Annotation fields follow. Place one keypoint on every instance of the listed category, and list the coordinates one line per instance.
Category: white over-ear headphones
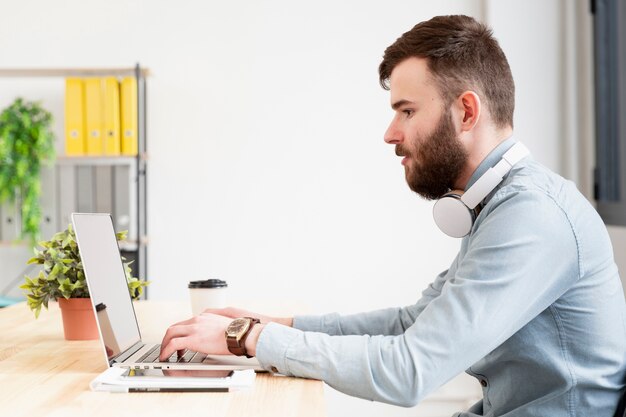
(455, 212)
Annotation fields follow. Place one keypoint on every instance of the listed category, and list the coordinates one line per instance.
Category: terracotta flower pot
(79, 321)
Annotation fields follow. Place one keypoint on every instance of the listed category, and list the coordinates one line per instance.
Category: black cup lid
(209, 283)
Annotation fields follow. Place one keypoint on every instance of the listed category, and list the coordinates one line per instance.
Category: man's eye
(408, 112)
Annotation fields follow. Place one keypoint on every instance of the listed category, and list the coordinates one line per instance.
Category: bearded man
(532, 306)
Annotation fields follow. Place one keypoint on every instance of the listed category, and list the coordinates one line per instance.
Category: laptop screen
(106, 279)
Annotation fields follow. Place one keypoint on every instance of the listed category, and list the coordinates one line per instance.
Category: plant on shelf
(26, 142)
(63, 276)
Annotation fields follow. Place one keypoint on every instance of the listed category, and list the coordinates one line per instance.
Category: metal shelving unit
(136, 248)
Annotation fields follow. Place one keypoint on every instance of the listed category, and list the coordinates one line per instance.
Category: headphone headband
(494, 175)
(454, 212)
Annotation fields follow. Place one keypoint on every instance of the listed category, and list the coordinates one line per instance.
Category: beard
(441, 160)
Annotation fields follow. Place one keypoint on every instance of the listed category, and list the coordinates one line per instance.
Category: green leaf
(29, 282)
(33, 299)
(66, 241)
(35, 260)
(54, 273)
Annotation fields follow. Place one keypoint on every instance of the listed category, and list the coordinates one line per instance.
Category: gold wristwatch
(236, 334)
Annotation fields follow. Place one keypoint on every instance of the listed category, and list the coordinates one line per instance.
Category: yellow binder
(129, 115)
(112, 145)
(94, 116)
(74, 117)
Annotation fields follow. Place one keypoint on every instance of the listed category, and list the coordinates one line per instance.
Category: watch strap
(238, 347)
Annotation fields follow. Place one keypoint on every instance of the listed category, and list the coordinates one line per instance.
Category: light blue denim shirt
(532, 307)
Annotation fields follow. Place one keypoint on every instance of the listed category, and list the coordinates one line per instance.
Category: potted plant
(26, 141)
(63, 278)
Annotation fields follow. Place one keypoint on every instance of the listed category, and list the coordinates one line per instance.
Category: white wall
(267, 165)
(529, 34)
(292, 192)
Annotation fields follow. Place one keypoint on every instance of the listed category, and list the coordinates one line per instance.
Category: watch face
(238, 327)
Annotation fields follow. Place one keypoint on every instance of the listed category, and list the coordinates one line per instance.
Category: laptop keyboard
(188, 356)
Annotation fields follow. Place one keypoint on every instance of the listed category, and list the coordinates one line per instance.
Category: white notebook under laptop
(115, 314)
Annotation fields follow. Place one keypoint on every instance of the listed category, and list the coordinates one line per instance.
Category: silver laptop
(115, 314)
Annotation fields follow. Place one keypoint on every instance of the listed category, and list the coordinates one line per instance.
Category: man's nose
(393, 136)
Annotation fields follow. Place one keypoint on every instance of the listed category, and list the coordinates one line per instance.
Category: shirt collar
(490, 160)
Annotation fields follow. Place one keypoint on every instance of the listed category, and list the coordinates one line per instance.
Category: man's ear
(468, 108)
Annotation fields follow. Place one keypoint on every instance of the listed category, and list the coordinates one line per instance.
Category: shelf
(96, 160)
(129, 246)
(71, 72)
(76, 180)
(11, 243)
(126, 245)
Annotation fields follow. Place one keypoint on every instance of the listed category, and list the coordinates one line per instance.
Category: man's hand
(203, 333)
(234, 313)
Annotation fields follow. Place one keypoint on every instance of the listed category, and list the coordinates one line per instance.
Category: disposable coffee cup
(210, 293)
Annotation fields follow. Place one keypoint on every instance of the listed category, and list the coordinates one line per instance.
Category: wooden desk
(42, 374)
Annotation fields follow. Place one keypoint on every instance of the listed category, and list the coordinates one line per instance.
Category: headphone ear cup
(452, 216)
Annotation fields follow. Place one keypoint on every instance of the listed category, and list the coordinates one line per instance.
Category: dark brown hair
(462, 54)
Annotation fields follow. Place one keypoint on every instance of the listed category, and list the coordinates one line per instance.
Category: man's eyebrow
(400, 103)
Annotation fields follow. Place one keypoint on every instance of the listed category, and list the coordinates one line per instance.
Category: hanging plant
(26, 142)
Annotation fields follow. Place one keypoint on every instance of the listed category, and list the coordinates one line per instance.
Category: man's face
(423, 131)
